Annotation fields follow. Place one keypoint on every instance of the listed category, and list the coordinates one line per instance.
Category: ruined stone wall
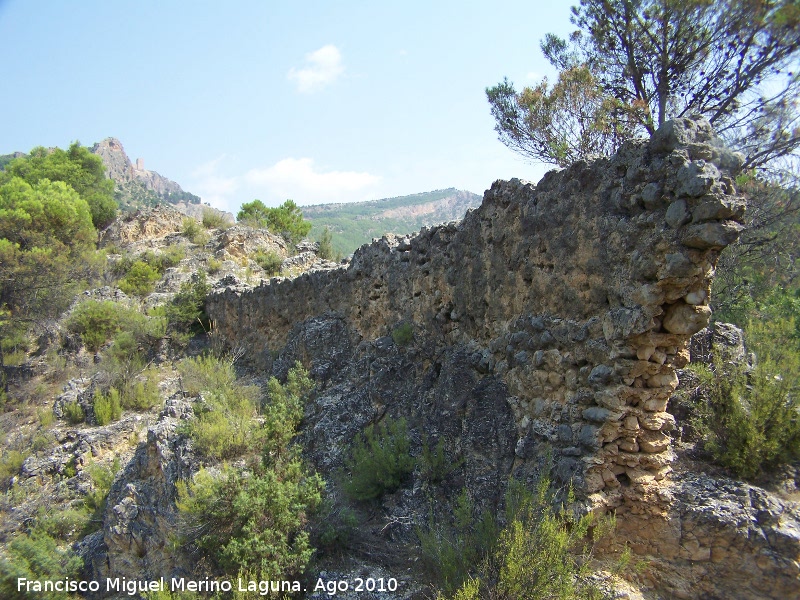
(548, 323)
(580, 293)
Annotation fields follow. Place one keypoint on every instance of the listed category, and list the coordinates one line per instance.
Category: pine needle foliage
(379, 462)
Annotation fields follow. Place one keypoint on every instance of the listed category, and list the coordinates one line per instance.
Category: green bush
(10, 463)
(403, 334)
(214, 265)
(141, 395)
(68, 524)
(326, 245)
(379, 460)
(102, 477)
(539, 553)
(36, 556)
(186, 312)
(286, 220)
(752, 420)
(97, 322)
(434, 463)
(336, 527)
(193, 232)
(269, 261)
(140, 280)
(73, 412)
(214, 220)
(255, 522)
(206, 373)
(169, 257)
(450, 551)
(107, 407)
(224, 425)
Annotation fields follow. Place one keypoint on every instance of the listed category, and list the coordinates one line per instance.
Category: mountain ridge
(356, 223)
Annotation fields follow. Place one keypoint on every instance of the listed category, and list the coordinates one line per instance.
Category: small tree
(379, 461)
(326, 244)
(286, 220)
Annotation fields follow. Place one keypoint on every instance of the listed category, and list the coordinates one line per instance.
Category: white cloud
(213, 187)
(299, 179)
(322, 67)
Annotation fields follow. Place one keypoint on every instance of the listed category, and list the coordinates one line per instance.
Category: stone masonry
(574, 298)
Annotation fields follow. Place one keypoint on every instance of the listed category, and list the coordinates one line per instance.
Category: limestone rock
(686, 319)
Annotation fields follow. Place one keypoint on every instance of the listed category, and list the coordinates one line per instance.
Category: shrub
(213, 219)
(326, 245)
(141, 395)
(206, 373)
(286, 220)
(73, 412)
(10, 464)
(161, 261)
(269, 261)
(752, 420)
(186, 312)
(192, 231)
(451, 551)
(68, 524)
(403, 334)
(379, 461)
(102, 477)
(36, 556)
(224, 424)
(336, 527)
(214, 265)
(540, 552)
(97, 322)
(140, 280)
(107, 407)
(255, 521)
(434, 463)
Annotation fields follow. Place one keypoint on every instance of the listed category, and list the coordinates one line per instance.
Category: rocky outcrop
(197, 211)
(143, 225)
(140, 517)
(120, 168)
(547, 329)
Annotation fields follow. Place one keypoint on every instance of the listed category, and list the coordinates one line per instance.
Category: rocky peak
(118, 165)
(124, 172)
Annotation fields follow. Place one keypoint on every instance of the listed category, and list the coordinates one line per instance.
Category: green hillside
(356, 223)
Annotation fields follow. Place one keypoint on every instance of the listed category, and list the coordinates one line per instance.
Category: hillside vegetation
(356, 223)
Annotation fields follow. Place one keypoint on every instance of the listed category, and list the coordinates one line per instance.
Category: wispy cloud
(322, 67)
(213, 187)
(299, 179)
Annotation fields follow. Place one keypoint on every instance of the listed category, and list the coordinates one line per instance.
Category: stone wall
(580, 292)
(549, 322)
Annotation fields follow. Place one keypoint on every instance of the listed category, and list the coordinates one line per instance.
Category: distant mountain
(356, 223)
(137, 187)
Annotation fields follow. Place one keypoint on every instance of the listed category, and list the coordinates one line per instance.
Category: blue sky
(314, 101)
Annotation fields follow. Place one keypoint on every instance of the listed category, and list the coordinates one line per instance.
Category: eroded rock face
(140, 515)
(143, 225)
(547, 325)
